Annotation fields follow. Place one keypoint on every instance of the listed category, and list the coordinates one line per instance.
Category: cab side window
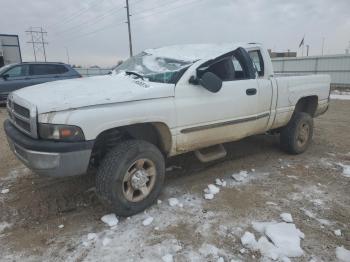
(223, 69)
(229, 69)
(257, 61)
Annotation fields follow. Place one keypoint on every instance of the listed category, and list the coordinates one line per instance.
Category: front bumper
(49, 158)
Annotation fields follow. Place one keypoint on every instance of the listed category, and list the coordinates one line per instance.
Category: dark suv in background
(16, 76)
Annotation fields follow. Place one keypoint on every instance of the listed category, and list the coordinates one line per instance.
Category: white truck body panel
(93, 91)
(195, 117)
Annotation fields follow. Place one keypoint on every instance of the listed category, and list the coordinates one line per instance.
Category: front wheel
(297, 135)
(130, 177)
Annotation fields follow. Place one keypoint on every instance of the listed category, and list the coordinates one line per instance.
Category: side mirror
(211, 82)
(5, 76)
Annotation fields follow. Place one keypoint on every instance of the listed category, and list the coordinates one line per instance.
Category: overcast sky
(95, 33)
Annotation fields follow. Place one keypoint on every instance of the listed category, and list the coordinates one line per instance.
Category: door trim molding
(225, 123)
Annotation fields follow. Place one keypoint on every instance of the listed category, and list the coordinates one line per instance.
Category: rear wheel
(130, 177)
(297, 135)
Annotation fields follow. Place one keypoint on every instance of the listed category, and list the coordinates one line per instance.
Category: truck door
(206, 118)
(267, 92)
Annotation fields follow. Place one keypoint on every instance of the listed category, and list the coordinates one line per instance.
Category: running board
(211, 153)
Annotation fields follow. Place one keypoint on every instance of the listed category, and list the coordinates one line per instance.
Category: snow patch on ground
(342, 254)
(168, 258)
(5, 191)
(110, 219)
(92, 236)
(278, 240)
(174, 202)
(220, 182)
(261, 226)
(337, 232)
(4, 225)
(147, 221)
(313, 216)
(241, 176)
(132, 241)
(211, 191)
(346, 169)
(286, 238)
(286, 217)
(249, 241)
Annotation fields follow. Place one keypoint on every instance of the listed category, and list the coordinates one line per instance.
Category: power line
(77, 14)
(84, 25)
(37, 41)
(90, 22)
(138, 18)
(165, 11)
(154, 8)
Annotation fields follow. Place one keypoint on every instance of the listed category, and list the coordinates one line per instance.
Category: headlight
(61, 132)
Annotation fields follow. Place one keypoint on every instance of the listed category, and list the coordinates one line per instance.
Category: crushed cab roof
(194, 52)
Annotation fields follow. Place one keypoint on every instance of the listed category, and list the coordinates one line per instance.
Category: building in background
(282, 54)
(10, 51)
(336, 66)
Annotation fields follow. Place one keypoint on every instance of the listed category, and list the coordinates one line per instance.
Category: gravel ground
(49, 219)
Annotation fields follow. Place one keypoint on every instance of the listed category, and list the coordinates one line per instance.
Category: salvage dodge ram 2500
(160, 103)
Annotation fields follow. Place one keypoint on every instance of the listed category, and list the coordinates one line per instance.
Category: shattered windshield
(154, 69)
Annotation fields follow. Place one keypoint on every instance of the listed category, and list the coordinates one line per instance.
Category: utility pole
(307, 50)
(32, 38)
(67, 53)
(42, 41)
(37, 41)
(129, 26)
(322, 44)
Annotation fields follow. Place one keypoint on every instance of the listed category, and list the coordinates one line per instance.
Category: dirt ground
(312, 187)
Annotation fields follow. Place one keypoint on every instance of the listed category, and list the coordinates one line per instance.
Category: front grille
(23, 124)
(20, 116)
(21, 110)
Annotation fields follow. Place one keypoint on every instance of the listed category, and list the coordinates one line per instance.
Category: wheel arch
(307, 104)
(156, 133)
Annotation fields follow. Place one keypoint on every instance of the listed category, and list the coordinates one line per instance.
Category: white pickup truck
(160, 103)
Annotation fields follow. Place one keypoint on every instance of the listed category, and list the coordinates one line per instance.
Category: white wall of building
(337, 66)
(10, 49)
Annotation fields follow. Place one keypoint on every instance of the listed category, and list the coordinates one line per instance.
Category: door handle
(251, 91)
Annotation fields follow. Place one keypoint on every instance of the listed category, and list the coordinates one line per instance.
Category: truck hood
(91, 91)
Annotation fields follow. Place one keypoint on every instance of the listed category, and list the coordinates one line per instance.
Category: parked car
(16, 76)
(160, 103)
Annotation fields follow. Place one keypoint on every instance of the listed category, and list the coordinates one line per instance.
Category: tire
(120, 178)
(297, 135)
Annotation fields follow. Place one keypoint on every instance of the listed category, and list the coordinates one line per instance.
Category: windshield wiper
(134, 73)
